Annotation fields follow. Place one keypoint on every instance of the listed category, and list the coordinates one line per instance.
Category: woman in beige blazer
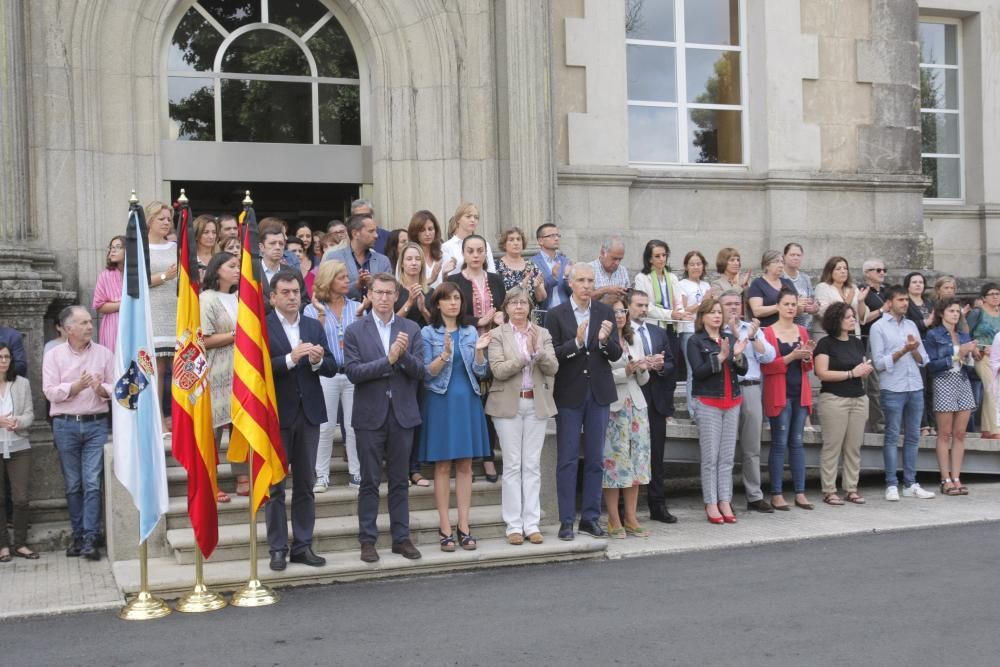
(524, 365)
(16, 415)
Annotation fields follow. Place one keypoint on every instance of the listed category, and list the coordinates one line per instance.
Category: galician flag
(140, 463)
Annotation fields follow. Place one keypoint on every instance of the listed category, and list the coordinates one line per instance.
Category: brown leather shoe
(536, 538)
(368, 553)
(515, 538)
(406, 550)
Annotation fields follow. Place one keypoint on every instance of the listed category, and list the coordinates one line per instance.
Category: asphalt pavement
(914, 597)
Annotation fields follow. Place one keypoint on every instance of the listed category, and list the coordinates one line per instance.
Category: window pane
(940, 132)
(652, 134)
(713, 77)
(267, 111)
(938, 88)
(712, 22)
(715, 136)
(194, 44)
(945, 175)
(191, 108)
(652, 73)
(650, 19)
(296, 15)
(265, 52)
(939, 43)
(339, 115)
(333, 51)
(233, 13)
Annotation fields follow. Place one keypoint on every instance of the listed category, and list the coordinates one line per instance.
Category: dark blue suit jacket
(298, 388)
(580, 367)
(374, 378)
(660, 388)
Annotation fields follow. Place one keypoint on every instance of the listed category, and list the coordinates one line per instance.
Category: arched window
(266, 71)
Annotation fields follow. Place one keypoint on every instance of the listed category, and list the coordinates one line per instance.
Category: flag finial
(133, 199)
(183, 198)
(247, 201)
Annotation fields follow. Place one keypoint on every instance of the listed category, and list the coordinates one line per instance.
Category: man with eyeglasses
(874, 270)
(384, 359)
(553, 265)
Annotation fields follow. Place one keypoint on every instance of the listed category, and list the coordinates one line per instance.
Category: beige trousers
(988, 415)
(843, 432)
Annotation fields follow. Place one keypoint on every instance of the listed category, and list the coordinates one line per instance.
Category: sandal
(950, 488)
(416, 479)
(833, 499)
(638, 531)
(447, 541)
(925, 431)
(5, 557)
(223, 497)
(27, 553)
(467, 541)
(616, 533)
(963, 490)
(242, 486)
(856, 498)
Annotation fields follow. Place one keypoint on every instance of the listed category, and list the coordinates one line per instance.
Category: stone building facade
(703, 122)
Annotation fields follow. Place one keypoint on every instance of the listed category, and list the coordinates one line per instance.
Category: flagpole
(200, 599)
(145, 606)
(254, 593)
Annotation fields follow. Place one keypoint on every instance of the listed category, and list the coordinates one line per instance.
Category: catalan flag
(256, 431)
(138, 435)
(193, 438)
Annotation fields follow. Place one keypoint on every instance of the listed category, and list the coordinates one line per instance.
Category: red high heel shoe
(729, 518)
(717, 520)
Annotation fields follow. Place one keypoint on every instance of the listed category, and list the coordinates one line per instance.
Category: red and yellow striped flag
(254, 406)
(191, 414)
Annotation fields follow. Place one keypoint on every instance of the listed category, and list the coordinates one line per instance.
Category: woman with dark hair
(951, 354)
(206, 238)
(984, 324)
(835, 286)
(694, 289)
(626, 441)
(788, 398)
(762, 295)
(717, 361)
(16, 416)
(398, 238)
(921, 313)
(454, 430)
(304, 233)
(425, 231)
(728, 264)
(218, 301)
(108, 292)
(841, 366)
(515, 271)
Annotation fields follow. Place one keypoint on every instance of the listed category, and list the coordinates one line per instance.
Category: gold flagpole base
(254, 594)
(199, 600)
(144, 607)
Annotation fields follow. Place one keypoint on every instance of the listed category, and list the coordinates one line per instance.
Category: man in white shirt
(611, 280)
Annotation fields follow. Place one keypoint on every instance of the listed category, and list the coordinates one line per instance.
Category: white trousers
(521, 439)
(337, 391)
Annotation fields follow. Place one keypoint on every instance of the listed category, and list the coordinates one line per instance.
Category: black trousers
(390, 443)
(301, 440)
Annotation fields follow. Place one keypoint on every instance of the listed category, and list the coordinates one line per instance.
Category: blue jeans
(786, 433)
(81, 456)
(902, 410)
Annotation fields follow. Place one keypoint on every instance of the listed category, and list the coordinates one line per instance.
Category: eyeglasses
(4, 357)
(552, 236)
(383, 294)
(619, 311)
(877, 270)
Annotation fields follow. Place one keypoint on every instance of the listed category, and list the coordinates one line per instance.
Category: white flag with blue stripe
(140, 462)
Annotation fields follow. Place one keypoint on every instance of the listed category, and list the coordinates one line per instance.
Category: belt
(82, 418)
(528, 394)
(749, 383)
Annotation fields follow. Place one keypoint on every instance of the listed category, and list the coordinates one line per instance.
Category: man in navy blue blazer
(384, 359)
(584, 389)
(299, 355)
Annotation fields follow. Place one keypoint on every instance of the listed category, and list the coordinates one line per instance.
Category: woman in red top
(788, 399)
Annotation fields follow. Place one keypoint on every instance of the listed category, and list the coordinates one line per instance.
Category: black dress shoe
(278, 561)
(761, 506)
(89, 551)
(406, 550)
(308, 557)
(74, 548)
(368, 553)
(592, 528)
(661, 514)
(566, 531)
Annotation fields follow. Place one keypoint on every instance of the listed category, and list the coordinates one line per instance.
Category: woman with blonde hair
(413, 289)
(162, 288)
(206, 241)
(464, 223)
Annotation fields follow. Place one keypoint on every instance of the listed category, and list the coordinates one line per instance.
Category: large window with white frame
(686, 62)
(941, 108)
(270, 71)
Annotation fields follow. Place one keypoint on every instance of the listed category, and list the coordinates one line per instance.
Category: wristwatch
(163, 277)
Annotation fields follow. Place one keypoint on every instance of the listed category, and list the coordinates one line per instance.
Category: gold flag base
(199, 600)
(144, 607)
(254, 594)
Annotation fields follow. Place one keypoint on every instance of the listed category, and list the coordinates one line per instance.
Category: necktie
(646, 348)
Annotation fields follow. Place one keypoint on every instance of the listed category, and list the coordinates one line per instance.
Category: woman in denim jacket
(454, 424)
(951, 353)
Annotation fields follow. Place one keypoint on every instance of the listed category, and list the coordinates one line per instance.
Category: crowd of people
(428, 350)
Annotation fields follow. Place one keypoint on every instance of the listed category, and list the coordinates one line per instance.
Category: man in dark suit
(384, 358)
(581, 333)
(299, 355)
(658, 393)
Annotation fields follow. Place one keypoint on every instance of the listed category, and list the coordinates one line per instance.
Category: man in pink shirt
(77, 378)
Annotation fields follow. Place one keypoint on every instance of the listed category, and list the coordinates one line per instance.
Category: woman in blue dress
(454, 424)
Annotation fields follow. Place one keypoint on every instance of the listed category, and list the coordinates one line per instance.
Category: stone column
(14, 223)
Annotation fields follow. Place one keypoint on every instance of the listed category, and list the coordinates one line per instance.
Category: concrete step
(339, 449)
(48, 535)
(338, 533)
(336, 501)
(171, 579)
(51, 510)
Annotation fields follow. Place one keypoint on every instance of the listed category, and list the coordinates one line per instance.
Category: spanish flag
(191, 413)
(254, 406)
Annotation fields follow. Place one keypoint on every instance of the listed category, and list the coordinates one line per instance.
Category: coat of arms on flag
(136, 378)
(190, 364)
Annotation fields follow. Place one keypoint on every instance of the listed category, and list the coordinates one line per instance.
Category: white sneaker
(892, 494)
(320, 486)
(914, 491)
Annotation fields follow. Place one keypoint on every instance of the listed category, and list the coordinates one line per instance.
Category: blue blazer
(379, 384)
(434, 345)
(551, 284)
(587, 366)
(298, 388)
(659, 390)
(940, 351)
